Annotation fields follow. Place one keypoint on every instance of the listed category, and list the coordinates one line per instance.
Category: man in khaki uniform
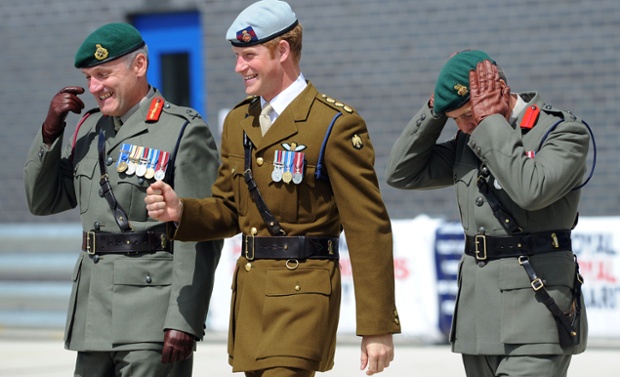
(139, 301)
(517, 164)
(290, 183)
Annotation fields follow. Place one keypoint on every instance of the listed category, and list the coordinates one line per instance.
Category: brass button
(396, 321)
(253, 231)
(260, 161)
(248, 266)
(297, 288)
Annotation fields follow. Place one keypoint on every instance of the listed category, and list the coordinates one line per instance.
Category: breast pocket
(130, 193)
(141, 298)
(525, 319)
(84, 181)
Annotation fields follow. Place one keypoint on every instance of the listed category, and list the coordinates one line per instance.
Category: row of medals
(143, 162)
(288, 166)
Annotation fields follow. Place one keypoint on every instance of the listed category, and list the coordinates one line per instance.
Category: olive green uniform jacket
(496, 312)
(120, 301)
(289, 317)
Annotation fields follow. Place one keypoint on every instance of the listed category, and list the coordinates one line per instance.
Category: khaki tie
(117, 123)
(264, 119)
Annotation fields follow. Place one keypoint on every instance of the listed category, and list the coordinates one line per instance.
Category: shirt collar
(285, 97)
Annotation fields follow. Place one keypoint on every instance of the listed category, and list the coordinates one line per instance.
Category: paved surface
(41, 354)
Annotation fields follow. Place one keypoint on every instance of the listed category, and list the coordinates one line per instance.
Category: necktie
(117, 123)
(264, 119)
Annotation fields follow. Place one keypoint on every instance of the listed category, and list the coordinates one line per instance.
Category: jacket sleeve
(532, 183)
(196, 166)
(366, 224)
(417, 161)
(48, 178)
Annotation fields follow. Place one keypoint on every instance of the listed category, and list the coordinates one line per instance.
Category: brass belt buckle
(91, 249)
(250, 240)
(481, 253)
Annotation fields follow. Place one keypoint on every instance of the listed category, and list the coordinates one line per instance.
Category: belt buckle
(483, 251)
(249, 239)
(90, 249)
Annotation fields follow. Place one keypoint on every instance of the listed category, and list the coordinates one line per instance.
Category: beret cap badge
(461, 90)
(101, 53)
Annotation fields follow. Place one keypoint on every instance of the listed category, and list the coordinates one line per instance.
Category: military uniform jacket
(123, 301)
(289, 317)
(496, 311)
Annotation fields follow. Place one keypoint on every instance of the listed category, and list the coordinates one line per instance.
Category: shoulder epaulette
(336, 104)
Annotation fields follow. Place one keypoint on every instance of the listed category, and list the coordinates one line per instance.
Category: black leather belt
(290, 247)
(484, 247)
(126, 243)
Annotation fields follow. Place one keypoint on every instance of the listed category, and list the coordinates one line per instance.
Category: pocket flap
(299, 281)
(150, 272)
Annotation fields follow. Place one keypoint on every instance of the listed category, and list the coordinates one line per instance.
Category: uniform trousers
(281, 372)
(143, 363)
(516, 366)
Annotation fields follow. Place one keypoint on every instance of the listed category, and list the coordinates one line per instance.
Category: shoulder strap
(121, 218)
(272, 223)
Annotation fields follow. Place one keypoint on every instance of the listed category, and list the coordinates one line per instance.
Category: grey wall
(381, 57)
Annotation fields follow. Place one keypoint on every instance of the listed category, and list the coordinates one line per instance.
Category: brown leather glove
(178, 346)
(487, 95)
(64, 101)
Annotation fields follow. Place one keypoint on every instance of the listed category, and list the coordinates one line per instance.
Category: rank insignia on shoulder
(155, 109)
(356, 140)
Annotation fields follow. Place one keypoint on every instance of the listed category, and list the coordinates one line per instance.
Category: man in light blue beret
(139, 301)
(297, 168)
(518, 165)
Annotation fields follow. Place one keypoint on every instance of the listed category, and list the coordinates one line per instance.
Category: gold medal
(121, 167)
(287, 177)
(150, 173)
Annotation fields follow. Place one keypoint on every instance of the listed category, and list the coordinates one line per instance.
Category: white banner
(426, 254)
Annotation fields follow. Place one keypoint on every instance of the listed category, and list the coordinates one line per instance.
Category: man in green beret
(517, 164)
(297, 169)
(139, 300)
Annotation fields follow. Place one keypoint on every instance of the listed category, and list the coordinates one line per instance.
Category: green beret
(109, 42)
(452, 87)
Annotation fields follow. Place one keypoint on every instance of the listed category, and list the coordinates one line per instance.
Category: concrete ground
(29, 353)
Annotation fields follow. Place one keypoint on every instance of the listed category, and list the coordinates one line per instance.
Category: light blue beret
(261, 22)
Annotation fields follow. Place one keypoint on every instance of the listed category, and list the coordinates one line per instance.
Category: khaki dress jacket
(289, 317)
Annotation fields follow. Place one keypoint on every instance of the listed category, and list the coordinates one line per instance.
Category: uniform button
(423, 116)
(248, 266)
(297, 288)
(473, 144)
(481, 230)
(396, 321)
(148, 279)
(418, 122)
(140, 180)
(260, 161)
(253, 231)
(479, 201)
(95, 259)
(482, 264)
(109, 160)
(485, 171)
(547, 107)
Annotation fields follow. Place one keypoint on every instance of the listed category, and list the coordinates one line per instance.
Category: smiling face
(118, 85)
(262, 69)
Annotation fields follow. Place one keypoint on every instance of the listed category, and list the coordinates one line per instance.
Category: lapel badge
(101, 53)
(293, 147)
(356, 140)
